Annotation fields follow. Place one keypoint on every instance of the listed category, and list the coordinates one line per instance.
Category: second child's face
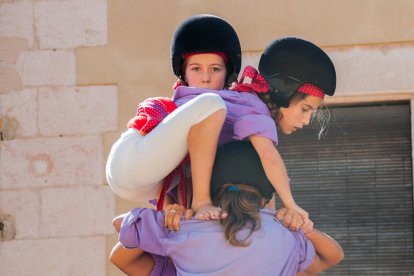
(298, 114)
(205, 71)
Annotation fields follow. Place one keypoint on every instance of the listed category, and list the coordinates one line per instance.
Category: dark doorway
(357, 185)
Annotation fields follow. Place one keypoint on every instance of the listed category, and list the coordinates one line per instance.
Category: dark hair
(320, 118)
(242, 204)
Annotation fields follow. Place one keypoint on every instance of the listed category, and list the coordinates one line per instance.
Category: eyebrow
(198, 64)
(311, 107)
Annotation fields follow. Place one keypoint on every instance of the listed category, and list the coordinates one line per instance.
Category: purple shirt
(199, 247)
(247, 114)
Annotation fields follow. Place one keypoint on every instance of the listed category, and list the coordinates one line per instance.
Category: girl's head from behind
(242, 203)
(206, 34)
(240, 186)
(299, 75)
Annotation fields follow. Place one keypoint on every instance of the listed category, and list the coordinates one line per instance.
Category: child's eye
(195, 68)
(216, 69)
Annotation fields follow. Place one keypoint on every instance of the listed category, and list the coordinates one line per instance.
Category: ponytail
(242, 204)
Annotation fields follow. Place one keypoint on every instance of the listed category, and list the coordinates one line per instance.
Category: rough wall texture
(72, 72)
(52, 188)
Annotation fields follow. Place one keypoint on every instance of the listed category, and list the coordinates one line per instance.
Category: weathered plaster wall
(52, 185)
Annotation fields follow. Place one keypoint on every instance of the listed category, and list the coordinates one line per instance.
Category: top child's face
(298, 114)
(205, 71)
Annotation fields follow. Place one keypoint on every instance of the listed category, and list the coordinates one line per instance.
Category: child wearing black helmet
(206, 56)
(249, 241)
(205, 53)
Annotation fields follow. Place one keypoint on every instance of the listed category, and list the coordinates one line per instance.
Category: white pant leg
(137, 164)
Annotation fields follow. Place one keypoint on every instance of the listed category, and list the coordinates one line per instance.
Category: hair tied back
(233, 188)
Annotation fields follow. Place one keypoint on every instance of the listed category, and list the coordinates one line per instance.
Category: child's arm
(329, 253)
(130, 261)
(275, 170)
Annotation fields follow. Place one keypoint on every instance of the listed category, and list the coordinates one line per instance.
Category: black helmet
(237, 162)
(289, 62)
(206, 33)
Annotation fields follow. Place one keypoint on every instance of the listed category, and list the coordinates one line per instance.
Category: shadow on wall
(7, 227)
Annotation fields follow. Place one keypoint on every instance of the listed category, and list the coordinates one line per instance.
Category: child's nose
(306, 119)
(206, 77)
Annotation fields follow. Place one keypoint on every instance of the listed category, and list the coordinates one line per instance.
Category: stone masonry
(55, 207)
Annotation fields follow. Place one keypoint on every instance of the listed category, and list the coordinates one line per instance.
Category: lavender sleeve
(306, 251)
(255, 124)
(143, 228)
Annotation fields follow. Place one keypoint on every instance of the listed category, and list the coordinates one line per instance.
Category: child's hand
(173, 214)
(307, 228)
(307, 223)
(290, 218)
(303, 213)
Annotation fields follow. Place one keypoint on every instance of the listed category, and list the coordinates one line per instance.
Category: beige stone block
(16, 20)
(250, 58)
(60, 256)
(10, 49)
(44, 68)
(77, 211)
(9, 80)
(70, 24)
(51, 162)
(24, 207)
(22, 107)
(81, 110)
(374, 69)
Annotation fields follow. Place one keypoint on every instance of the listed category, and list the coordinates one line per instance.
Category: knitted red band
(311, 89)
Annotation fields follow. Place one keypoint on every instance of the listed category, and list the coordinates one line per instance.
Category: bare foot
(209, 212)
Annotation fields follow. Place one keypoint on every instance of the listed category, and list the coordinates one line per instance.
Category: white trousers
(137, 164)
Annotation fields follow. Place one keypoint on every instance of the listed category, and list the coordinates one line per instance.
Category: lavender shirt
(247, 114)
(199, 247)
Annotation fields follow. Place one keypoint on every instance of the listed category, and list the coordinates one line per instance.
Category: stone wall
(55, 207)
(73, 71)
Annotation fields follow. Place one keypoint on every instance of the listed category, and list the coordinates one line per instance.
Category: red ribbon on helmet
(310, 89)
(258, 84)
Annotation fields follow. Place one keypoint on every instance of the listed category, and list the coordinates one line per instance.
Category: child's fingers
(281, 213)
(176, 220)
(298, 223)
(295, 223)
(188, 214)
(287, 219)
(172, 216)
(304, 214)
(308, 227)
